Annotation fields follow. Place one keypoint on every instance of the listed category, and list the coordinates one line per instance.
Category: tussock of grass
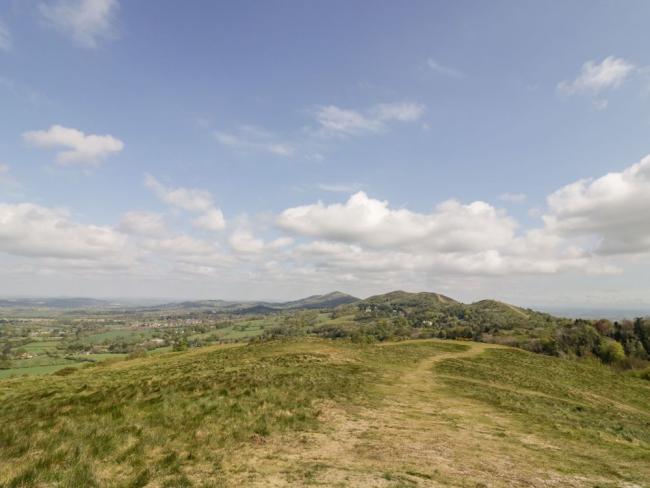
(173, 413)
(578, 402)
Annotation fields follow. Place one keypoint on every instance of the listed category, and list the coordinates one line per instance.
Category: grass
(41, 347)
(239, 331)
(101, 337)
(38, 370)
(328, 413)
(604, 415)
(200, 403)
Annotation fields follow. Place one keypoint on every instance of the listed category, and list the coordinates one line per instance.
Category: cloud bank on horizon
(240, 198)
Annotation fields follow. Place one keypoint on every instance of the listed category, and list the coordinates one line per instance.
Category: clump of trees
(623, 343)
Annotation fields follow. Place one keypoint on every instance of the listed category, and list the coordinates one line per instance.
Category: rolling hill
(313, 412)
(329, 300)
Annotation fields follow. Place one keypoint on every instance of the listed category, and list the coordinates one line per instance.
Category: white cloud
(6, 41)
(335, 120)
(143, 224)
(28, 229)
(372, 223)
(182, 245)
(86, 22)
(366, 236)
(188, 252)
(338, 120)
(594, 78)
(192, 200)
(513, 197)
(243, 241)
(442, 69)
(613, 209)
(360, 240)
(84, 149)
(250, 138)
(211, 220)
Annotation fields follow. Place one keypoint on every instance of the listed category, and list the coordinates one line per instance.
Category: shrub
(611, 351)
(65, 371)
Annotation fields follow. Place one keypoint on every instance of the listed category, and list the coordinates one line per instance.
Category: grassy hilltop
(313, 412)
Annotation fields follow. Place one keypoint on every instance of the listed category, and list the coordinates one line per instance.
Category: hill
(329, 300)
(402, 315)
(408, 300)
(421, 315)
(328, 413)
(55, 303)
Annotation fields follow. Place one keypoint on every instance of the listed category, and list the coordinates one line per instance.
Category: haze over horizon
(476, 150)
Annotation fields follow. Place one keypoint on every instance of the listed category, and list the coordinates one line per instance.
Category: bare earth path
(417, 436)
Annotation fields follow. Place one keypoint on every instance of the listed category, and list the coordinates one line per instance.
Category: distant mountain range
(329, 300)
(421, 300)
(57, 303)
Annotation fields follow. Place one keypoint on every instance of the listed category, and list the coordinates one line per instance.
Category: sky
(277, 149)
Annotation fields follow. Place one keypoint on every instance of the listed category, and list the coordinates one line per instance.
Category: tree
(579, 339)
(611, 351)
(642, 331)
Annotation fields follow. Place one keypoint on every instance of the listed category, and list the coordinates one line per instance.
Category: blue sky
(276, 149)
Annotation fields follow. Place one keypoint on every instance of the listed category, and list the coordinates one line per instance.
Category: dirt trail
(418, 436)
(422, 373)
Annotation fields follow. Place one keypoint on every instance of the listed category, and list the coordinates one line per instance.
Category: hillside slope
(325, 413)
(328, 300)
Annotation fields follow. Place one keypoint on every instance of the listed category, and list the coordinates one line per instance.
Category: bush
(66, 371)
(137, 353)
(611, 351)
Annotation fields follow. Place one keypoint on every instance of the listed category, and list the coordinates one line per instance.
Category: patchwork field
(314, 412)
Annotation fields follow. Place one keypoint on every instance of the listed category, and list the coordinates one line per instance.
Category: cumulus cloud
(595, 77)
(27, 229)
(6, 41)
(90, 150)
(366, 236)
(143, 224)
(212, 220)
(357, 239)
(613, 209)
(86, 22)
(372, 223)
(192, 200)
(250, 138)
(243, 241)
(336, 120)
